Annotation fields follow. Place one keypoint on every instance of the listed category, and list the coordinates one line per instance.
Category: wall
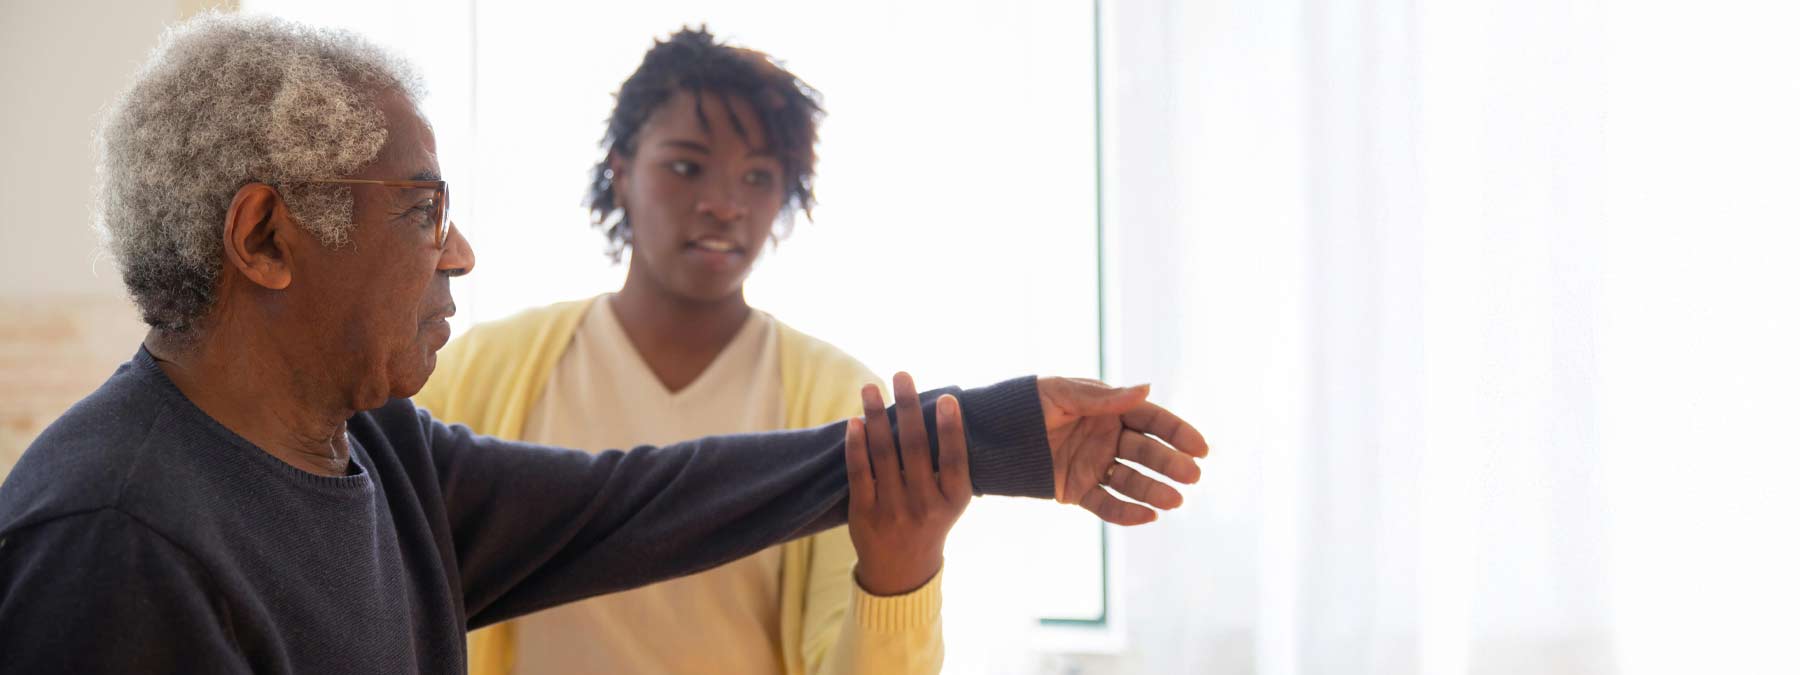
(68, 323)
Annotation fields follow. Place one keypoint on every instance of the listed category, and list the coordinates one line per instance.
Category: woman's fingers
(899, 533)
(953, 454)
(856, 465)
(888, 489)
(915, 446)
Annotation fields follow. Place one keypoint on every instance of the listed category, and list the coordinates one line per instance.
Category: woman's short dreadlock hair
(695, 61)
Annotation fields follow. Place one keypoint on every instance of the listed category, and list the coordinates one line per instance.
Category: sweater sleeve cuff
(916, 610)
(1009, 453)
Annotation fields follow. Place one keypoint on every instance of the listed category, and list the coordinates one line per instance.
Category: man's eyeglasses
(440, 198)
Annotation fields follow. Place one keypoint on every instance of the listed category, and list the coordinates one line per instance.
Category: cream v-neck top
(602, 395)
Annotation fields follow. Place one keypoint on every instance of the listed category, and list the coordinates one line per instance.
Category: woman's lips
(713, 253)
(716, 245)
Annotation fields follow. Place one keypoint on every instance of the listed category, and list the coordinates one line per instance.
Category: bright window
(954, 238)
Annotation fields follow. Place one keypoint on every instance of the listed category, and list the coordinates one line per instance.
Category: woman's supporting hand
(901, 510)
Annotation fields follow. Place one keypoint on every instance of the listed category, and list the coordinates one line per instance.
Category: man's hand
(1092, 425)
(899, 516)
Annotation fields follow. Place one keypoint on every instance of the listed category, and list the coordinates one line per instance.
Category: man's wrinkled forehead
(410, 152)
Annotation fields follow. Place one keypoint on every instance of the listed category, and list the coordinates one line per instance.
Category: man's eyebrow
(428, 174)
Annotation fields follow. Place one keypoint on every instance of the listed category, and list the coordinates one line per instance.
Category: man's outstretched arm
(536, 527)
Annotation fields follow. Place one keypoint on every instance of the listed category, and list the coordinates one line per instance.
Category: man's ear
(252, 244)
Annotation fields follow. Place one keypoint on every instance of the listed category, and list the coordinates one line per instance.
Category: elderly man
(253, 492)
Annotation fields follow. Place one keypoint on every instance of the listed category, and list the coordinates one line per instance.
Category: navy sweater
(139, 535)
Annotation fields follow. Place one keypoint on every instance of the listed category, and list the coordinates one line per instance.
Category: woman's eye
(758, 178)
(682, 167)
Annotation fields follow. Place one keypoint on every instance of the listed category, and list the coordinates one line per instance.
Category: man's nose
(458, 257)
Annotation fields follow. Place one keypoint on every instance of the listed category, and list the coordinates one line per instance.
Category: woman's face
(701, 199)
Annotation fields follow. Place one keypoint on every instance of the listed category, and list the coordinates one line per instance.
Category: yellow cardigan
(490, 378)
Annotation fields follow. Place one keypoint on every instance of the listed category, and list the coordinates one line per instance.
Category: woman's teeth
(715, 245)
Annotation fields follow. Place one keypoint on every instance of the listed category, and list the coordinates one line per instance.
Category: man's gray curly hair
(226, 100)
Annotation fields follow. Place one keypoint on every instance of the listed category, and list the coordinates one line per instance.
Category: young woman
(709, 146)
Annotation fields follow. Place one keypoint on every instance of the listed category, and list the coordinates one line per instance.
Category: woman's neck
(677, 337)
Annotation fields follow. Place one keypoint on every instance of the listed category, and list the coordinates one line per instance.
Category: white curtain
(1488, 307)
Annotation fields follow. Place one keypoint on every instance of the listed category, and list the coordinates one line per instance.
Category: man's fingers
(915, 446)
(953, 453)
(1114, 510)
(1131, 483)
(856, 466)
(1160, 458)
(1152, 419)
(888, 489)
